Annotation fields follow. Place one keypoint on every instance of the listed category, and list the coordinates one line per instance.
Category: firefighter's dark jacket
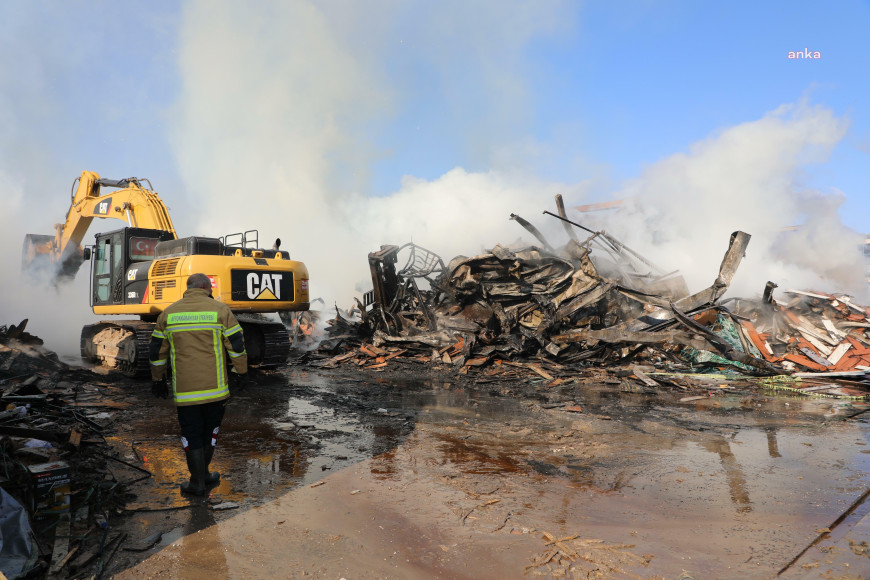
(193, 333)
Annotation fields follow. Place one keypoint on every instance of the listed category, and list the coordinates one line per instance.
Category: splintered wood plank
(644, 378)
(541, 371)
(60, 553)
(838, 353)
(475, 362)
(810, 294)
(761, 344)
(832, 329)
(371, 350)
(344, 356)
(804, 362)
(560, 543)
(855, 373)
(817, 344)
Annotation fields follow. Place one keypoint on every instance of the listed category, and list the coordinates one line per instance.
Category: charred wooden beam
(532, 230)
(56, 436)
(730, 263)
(767, 298)
(560, 207)
(617, 336)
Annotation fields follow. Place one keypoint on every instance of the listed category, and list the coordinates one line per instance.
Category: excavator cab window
(102, 270)
(114, 254)
(109, 269)
(142, 248)
(117, 267)
(101, 258)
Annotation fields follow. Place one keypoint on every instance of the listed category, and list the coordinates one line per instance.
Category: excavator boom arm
(137, 206)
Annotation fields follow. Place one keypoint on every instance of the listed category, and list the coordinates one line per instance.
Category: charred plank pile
(592, 303)
(56, 481)
(819, 338)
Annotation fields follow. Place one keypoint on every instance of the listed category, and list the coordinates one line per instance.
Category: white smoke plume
(682, 209)
(272, 125)
(55, 314)
(279, 121)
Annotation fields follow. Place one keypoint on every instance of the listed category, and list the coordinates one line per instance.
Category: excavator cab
(118, 257)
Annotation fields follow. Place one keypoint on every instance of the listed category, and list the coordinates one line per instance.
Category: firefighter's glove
(238, 381)
(160, 389)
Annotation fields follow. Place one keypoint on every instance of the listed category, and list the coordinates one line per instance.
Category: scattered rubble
(595, 303)
(592, 311)
(55, 457)
(584, 557)
(821, 340)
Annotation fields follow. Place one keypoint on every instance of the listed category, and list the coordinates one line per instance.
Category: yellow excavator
(142, 268)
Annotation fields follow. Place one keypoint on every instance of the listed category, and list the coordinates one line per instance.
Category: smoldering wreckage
(593, 306)
(527, 320)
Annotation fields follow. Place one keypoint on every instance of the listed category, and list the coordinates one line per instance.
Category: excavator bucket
(36, 253)
(38, 259)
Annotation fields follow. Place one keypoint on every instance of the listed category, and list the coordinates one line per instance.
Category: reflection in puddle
(274, 438)
(733, 473)
(628, 457)
(476, 459)
(749, 448)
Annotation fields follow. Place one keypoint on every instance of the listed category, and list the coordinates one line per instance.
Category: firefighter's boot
(211, 477)
(196, 466)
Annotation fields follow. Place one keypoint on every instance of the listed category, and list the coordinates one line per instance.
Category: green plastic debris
(726, 329)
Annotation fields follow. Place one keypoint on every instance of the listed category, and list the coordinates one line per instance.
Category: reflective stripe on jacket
(192, 335)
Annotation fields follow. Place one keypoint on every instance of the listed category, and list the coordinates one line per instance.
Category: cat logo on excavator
(262, 285)
(102, 208)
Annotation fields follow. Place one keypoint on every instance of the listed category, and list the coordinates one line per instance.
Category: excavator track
(123, 345)
(120, 345)
(267, 342)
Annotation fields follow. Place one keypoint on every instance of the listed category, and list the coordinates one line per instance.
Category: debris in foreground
(584, 557)
(53, 424)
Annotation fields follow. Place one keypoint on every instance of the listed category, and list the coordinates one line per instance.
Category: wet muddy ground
(393, 476)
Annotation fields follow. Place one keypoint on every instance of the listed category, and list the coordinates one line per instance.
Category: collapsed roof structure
(593, 302)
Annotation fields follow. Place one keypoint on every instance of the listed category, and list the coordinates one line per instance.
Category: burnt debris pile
(592, 303)
(56, 482)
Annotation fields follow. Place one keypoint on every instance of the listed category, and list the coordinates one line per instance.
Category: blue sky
(610, 88)
(630, 83)
(339, 122)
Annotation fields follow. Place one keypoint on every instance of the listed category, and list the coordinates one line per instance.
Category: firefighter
(193, 334)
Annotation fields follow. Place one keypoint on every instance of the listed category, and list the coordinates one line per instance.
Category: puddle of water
(725, 490)
(275, 437)
(757, 474)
